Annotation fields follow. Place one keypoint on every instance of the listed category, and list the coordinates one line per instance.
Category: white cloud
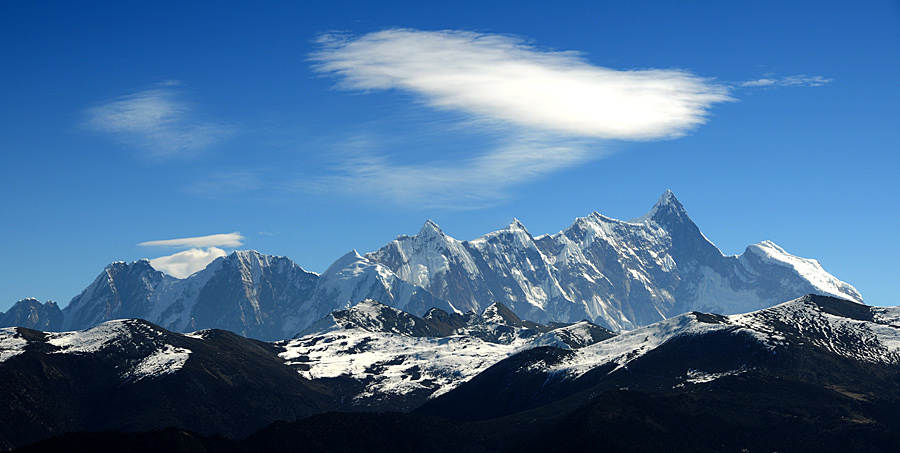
(202, 251)
(214, 240)
(789, 81)
(545, 110)
(501, 78)
(183, 264)
(764, 82)
(156, 121)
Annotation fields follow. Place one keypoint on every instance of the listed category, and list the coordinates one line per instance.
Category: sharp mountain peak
(430, 229)
(666, 212)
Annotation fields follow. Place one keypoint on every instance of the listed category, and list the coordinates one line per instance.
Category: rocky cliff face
(33, 314)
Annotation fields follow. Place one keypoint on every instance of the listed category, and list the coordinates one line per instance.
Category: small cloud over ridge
(202, 250)
(183, 264)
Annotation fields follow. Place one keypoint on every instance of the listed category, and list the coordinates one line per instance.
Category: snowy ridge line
(395, 353)
(163, 359)
(91, 340)
(621, 275)
(394, 364)
(806, 320)
(809, 269)
(631, 345)
(390, 353)
(872, 339)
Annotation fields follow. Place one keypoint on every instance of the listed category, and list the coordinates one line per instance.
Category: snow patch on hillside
(91, 340)
(11, 344)
(702, 377)
(628, 346)
(198, 335)
(166, 360)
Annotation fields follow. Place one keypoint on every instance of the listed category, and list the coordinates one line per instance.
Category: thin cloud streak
(214, 240)
(789, 81)
(546, 111)
(158, 122)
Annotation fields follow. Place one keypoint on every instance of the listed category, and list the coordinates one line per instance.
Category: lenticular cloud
(214, 240)
(202, 251)
(501, 78)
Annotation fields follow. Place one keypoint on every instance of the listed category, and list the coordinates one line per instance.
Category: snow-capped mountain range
(785, 376)
(364, 357)
(398, 360)
(617, 274)
(455, 366)
(258, 296)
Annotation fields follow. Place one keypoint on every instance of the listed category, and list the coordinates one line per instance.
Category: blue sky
(311, 130)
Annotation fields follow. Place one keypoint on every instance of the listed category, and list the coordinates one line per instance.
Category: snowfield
(392, 363)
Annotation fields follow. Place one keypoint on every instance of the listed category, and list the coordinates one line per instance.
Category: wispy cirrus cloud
(467, 183)
(157, 121)
(202, 250)
(789, 81)
(546, 110)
